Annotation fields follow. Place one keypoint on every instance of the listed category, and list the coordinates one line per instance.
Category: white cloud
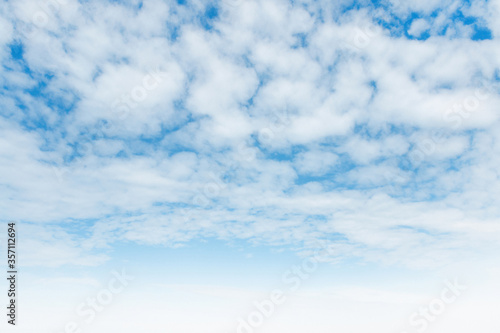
(315, 162)
(418, 27)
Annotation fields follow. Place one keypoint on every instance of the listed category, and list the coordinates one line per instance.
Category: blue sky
(209, 147)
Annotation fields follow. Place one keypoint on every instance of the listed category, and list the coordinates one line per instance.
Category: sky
(252, 165)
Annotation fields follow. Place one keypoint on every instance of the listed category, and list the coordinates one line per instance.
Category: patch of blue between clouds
(301, 41)
(16, 51)
(211, 15)
(206, 18)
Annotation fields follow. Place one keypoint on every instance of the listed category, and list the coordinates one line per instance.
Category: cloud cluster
(373, 127)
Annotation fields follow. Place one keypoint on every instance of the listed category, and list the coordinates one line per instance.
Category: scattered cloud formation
(372, 126)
